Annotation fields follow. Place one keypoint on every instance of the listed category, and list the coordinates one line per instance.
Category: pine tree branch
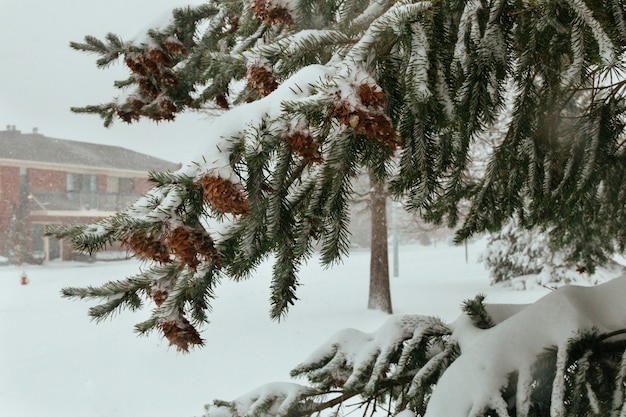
(612, 334)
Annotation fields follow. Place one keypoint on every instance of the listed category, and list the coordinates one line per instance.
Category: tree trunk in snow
(379, 294)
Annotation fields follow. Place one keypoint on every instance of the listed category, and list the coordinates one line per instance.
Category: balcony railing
(80, 201)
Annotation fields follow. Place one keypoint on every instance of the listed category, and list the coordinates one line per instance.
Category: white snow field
(54, 361)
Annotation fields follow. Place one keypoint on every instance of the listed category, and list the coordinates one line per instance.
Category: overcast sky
(41, 77)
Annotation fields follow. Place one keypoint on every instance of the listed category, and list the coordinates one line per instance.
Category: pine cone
(191, 246)
(343, 112)
(135, 63)
(182, 246)
(175, 47)
(167, 108)
(271, 13)
(261, 80)
(224, 195)
(371, 96)
(151, 65)
(159, 296)
(367, 117)
(145, 246)
(160, 56)
(148, 87)
(126, 115)
(378, 127)
(181, 334)
(205, 247)
(303, 145)
(136, 104)
(222, 101)
(168, 77)
(234, 23)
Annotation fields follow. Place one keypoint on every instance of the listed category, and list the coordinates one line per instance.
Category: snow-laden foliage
(521, 257)
(514, 251)
(313, 92)
(275, 399)
(559, 356)
(402, 359)
(316, 91)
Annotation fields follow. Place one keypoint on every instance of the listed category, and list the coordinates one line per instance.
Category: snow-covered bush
(522, 258)
(515, 251)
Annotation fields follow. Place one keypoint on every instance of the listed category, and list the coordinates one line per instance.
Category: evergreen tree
(515, 253)
(320, 89)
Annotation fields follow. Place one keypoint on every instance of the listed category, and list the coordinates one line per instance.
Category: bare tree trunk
(379, 295)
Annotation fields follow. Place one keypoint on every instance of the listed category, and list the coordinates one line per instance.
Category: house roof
(38, 150)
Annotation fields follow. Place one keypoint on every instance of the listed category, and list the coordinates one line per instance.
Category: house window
(82, 191)
(120, 185)
(81, 183)
(127, 185)
(113, 185)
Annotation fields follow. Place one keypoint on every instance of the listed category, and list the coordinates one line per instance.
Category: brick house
(54, 181)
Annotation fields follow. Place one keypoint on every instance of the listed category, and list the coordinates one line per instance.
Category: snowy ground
(55, 362)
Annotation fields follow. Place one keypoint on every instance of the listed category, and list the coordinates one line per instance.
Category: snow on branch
(474, 381)
(277, 399)
(394, 18)
(468, 24)
(604, 42)
(304, 40)
(235, 123)
(460, 370)
(356, 360)
(419, 64)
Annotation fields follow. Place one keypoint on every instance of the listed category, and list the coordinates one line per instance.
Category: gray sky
(41, 77)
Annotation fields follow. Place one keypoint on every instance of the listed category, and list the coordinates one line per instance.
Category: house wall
(102, 183)
(142, 185)
(40, 190)
(9, 196)
(55, 181)
(42, 180)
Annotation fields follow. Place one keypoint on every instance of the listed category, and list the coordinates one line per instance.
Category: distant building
(54, 181)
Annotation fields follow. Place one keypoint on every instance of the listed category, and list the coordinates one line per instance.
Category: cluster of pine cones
(152, 69)
(272, 13)
(367, 116)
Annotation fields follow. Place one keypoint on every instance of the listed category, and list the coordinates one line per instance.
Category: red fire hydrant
(24, 280)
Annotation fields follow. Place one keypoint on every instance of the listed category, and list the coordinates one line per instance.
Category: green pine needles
(316, 92)
(398, 367)
(312, 93)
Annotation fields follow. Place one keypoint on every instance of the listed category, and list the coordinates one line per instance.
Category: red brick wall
(142, 185)
(102, 183)
(43, 180)
(40, 180)
(9, 183)
(9, 195)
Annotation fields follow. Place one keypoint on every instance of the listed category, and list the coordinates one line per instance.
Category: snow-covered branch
(470, 368)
